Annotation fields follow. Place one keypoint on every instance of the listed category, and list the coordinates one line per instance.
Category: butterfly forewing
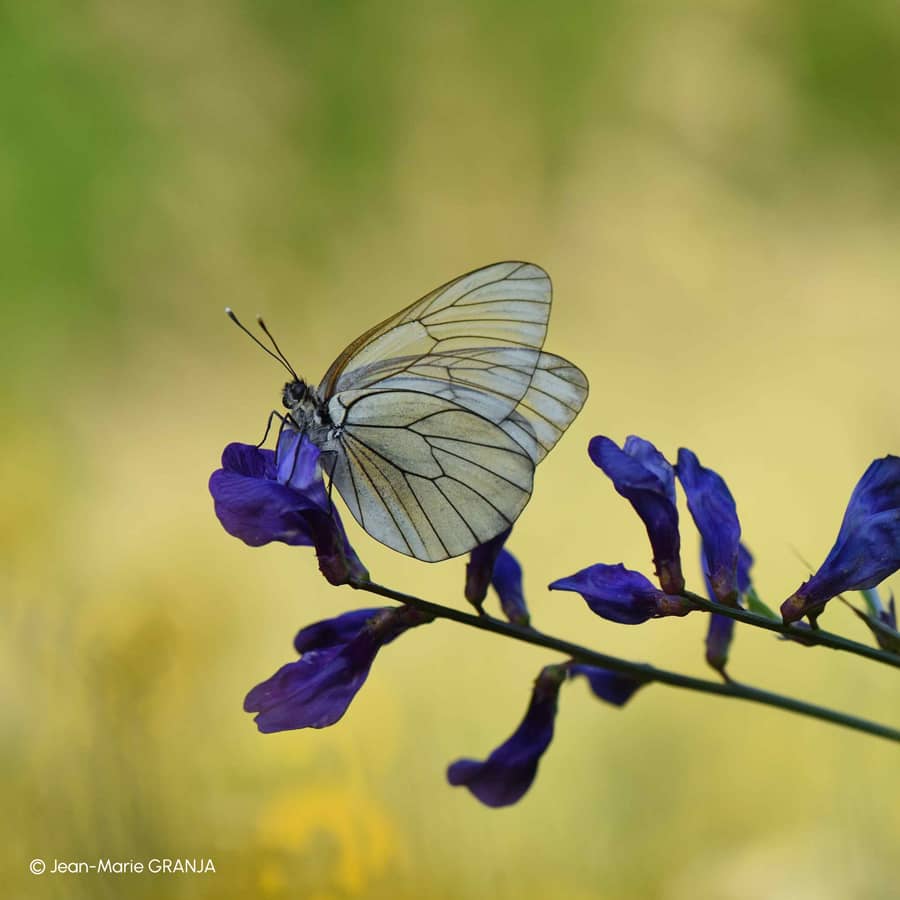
(503, 305)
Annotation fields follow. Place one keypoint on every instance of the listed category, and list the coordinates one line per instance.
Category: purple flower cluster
(641, 474)
(263, 496)
(866, 552)
(336, 656)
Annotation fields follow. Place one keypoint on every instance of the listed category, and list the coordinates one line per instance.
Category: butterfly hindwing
(533, 396)
(426, 476)
(555, 396)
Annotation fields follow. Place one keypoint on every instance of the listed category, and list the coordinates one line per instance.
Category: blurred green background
(715, 188)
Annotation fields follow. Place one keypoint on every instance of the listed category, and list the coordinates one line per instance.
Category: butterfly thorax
(306, 411)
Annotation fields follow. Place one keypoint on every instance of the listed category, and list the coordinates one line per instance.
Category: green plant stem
(641, 671)
(807, 635)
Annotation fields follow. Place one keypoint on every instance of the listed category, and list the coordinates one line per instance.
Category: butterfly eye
(294, 392)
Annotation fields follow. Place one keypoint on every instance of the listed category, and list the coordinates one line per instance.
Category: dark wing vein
(415, 331)
(435, 485)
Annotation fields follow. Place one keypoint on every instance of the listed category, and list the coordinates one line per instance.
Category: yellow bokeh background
(714, 188)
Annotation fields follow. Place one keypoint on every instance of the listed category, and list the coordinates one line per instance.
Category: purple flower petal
(715, 516)
(507, 774)
(480, 568)
(507, 582)
(245, 459)
(297, 466)
(720, 631)
(313, 692)
(641, 474)
(621, 595)
(867, 549)
(719, 635)
(339, 630)
(316, 690)
(259, 511)
(337, 560)
(611, 687)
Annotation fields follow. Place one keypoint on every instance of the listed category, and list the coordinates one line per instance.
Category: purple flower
(492, 564)
(611, 687)
(715, 516)
(720, 632)
(507, 582)
(261, 496)
(641, 474)
(506, 775)
(480, 568)
(315, 691)
(339, 630)
(867, 549)
(620, 594)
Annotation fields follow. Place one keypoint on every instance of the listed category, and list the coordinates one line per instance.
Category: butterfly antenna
(282, 357)
(230, 313)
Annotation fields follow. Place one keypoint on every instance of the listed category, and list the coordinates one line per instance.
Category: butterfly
(430, 425)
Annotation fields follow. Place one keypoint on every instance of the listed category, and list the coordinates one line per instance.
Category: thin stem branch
(806, 635)
(642, 671)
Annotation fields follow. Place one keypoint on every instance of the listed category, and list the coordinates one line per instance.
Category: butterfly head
(295, 393)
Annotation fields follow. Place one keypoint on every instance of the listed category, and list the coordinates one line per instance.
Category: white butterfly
(431, 424)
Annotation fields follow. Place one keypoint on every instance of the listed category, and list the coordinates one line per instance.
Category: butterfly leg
(272, 415)
(334, 460)
(285, 420)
